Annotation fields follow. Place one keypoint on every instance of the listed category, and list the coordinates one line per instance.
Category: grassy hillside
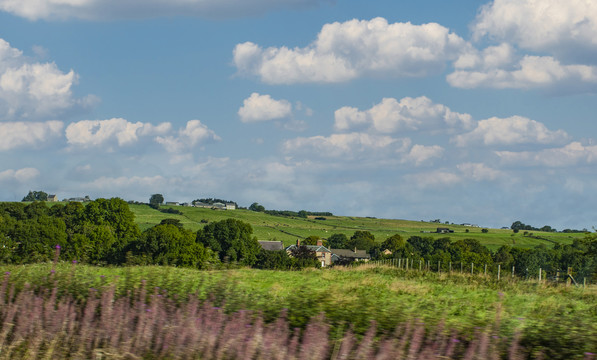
(268, 227)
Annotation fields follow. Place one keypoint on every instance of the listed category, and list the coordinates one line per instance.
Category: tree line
(104, 232)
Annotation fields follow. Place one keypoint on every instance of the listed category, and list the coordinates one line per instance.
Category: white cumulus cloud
(337, 145)
(192, 134)
(91, 133)
(529, 72)
(30, 90)
(393, 115)
(565, 28)
(510, 131)
(263, 108)
(20, 175)
(22, 134)
(420, 154)
(126, 9)
(355, 48)
(568, 155)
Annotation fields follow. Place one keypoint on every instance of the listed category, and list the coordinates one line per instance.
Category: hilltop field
(288, 229)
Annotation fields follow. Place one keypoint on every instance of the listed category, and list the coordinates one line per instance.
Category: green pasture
(286, 229)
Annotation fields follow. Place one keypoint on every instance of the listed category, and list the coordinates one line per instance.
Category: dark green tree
(174, 222)
(338, 241)
(274, 260)
(393, 243)
(362, 240)
(256, 207)
(232, 240)
(303, 258)
(156, 200)
(311, 240)
(168, 244)
(36, 196)
(421, 245)
(116, 214)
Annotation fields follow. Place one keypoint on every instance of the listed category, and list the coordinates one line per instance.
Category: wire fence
(564, 276)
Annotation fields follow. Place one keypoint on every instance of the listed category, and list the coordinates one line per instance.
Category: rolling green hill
(288, 229)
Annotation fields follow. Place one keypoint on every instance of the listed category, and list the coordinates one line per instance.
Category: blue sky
(463, 111)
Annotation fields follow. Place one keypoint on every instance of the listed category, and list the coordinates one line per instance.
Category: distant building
(323, 254)
(355, 255)
(52, 198)
(172, 203)
(218, 206)
(230, 206)
(444, 231)
(202, 205)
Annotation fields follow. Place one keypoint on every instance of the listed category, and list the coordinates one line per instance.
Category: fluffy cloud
(34, 90)
(337, 145)
(122, 9)
(568, 155)
(529, 72)
(566, 28)
(391, 116)
(510, 131)
(192, 134)
(91, 133)
(344, 51)
(420, 154)
(28, 134)
(21, 175)
(263, 108)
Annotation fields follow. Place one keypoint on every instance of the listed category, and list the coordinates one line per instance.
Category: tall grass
(148, 324)
(371, 312)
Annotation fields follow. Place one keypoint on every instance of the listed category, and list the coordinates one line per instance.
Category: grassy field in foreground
(545, 317)
(268, 227)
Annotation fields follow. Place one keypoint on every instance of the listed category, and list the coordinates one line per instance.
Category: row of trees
(518, 225)
(581, 255)
(289, 213)
(104, 232)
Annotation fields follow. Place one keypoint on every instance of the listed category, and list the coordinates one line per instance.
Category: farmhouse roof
(351, 254)
(316, 248)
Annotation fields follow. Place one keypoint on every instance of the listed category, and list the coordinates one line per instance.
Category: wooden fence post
(450, 266)
(438, 267)
(420, 265)
(539, 274)
(499, 268)
(485, 273)
(472, 268)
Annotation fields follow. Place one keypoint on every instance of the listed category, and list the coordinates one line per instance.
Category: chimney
(319, 242)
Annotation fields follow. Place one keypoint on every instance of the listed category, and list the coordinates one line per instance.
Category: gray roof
(347, 253)
(316, 248)
(271, 245)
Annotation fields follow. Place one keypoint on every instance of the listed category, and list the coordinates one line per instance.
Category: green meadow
(289, 229)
